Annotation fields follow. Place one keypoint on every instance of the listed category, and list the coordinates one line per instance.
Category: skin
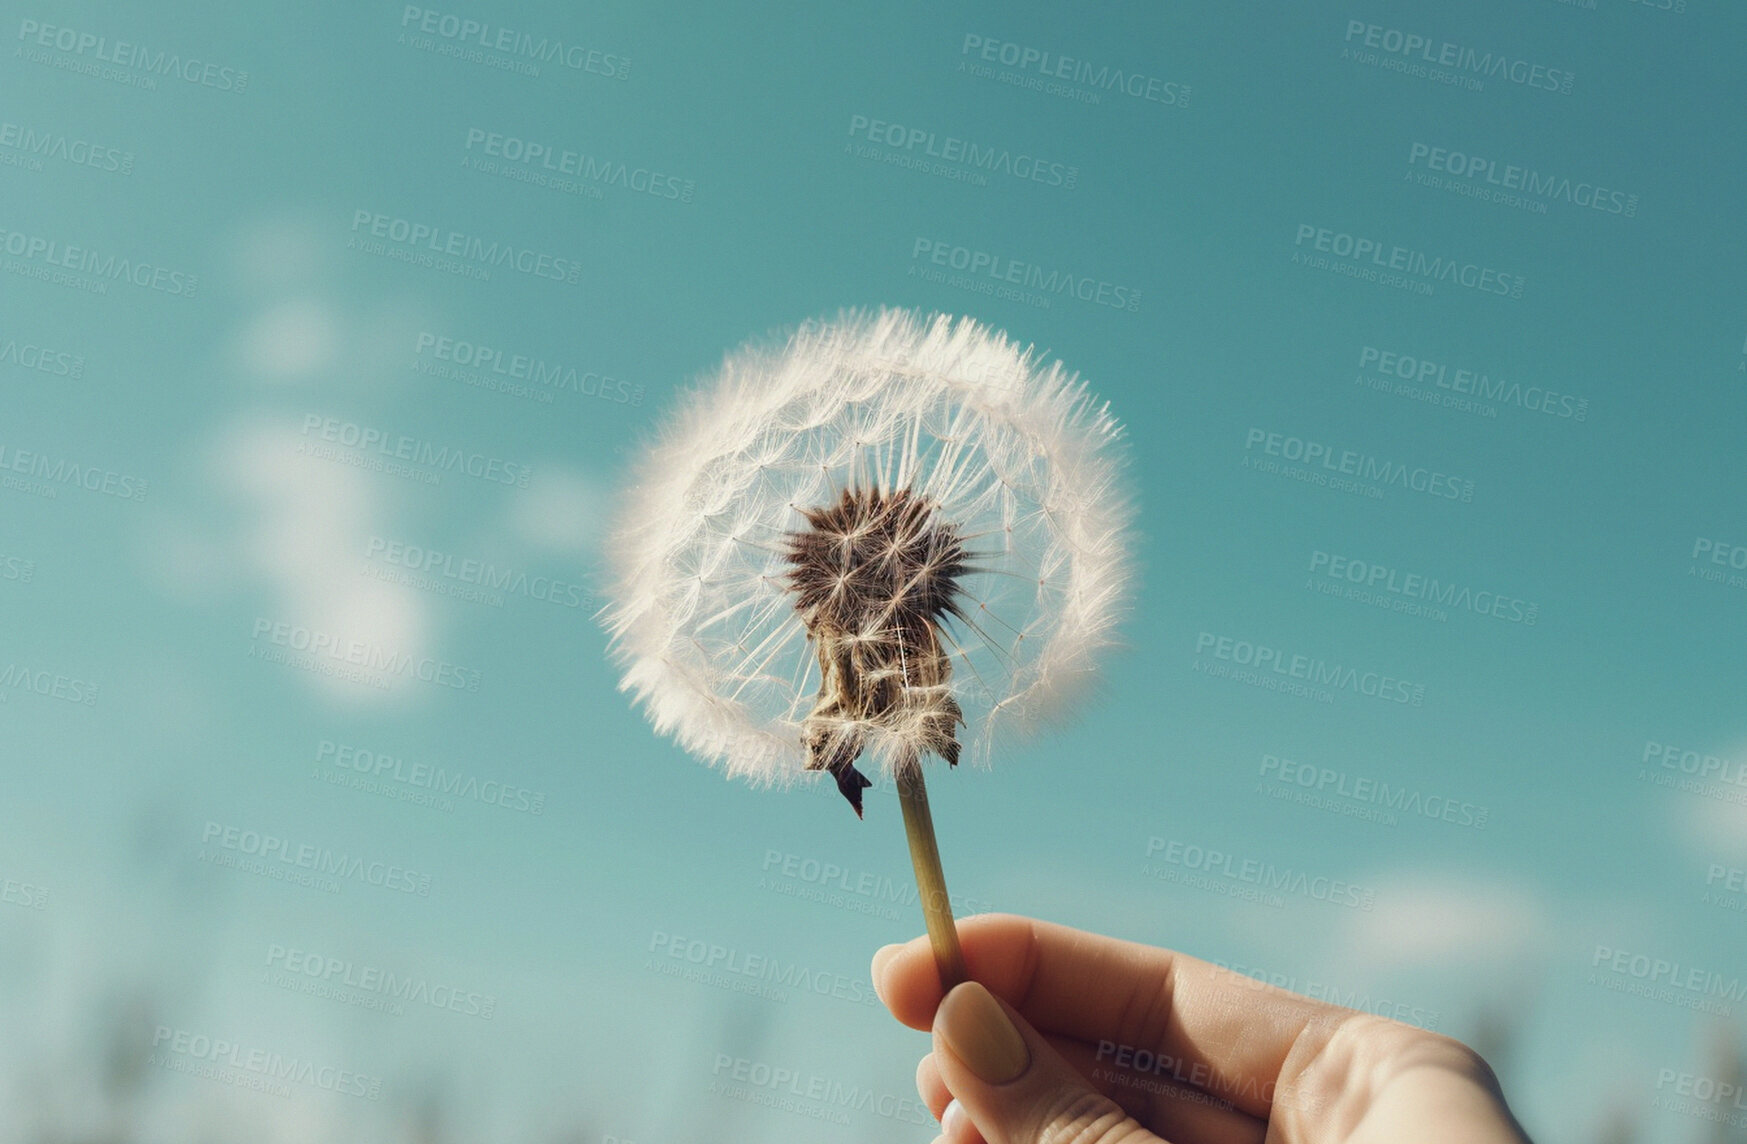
(1240, 1062)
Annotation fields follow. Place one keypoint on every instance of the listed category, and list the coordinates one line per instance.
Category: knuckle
(1465, 1059)
(1366, 1043)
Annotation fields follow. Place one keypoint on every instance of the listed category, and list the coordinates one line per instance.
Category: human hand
(1063, 1035)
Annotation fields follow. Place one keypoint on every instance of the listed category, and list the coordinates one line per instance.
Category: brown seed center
(875, 575)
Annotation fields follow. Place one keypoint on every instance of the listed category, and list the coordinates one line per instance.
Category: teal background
(119, 924)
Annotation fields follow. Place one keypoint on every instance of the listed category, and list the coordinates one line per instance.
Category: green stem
(930, 881)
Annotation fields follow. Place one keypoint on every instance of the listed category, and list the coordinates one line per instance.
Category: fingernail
(976, 1028)
(950, 1119)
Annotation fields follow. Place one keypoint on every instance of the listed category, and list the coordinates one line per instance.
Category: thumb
(1013, 1084)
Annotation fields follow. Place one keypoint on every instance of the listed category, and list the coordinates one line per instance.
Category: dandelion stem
(930, 881)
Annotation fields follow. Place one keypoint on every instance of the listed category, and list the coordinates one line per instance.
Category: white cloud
(1443, 921)
(302, 321)
(308, 521)
(281, 251)
(288, 340)
(1717, 828)
(562, 510)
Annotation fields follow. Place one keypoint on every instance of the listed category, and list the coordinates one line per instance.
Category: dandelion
(889, 538)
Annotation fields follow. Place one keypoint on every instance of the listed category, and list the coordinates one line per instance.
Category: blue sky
(249, 321)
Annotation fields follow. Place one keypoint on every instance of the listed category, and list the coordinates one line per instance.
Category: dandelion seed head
(889, 536)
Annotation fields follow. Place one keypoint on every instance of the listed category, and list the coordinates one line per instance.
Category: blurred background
(326, 331)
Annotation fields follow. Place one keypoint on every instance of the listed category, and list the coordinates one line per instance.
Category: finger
(930, 1087)
(956, 1127)
(1173, 1110)
(1013, 1087)
(1233, 1033)
(1167, 1104)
